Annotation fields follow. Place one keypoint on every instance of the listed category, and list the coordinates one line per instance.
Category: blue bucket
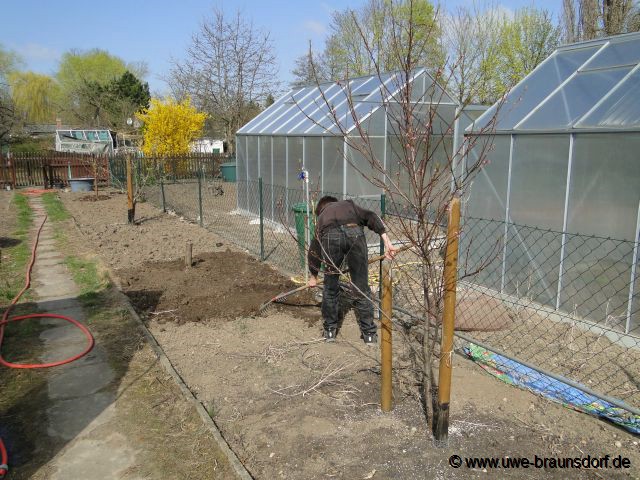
(81, 184)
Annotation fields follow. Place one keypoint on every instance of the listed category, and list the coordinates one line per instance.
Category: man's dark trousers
(346, 243)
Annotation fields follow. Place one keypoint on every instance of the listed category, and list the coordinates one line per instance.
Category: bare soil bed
(294, 407)
(225, 285)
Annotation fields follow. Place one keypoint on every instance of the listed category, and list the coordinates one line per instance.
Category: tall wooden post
(386, 390)
(441, 427)
(131, 213)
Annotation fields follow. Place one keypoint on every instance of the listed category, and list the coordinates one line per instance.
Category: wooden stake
(187, 256)
(386, 389)
(441, 420)
(131, 213)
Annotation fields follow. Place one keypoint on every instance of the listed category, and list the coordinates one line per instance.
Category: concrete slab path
(80, 399)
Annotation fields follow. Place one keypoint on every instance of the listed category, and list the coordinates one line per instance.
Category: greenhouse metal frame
(566, 158)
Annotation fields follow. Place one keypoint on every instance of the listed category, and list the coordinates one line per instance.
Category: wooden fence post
(386, 385)
(441, 414)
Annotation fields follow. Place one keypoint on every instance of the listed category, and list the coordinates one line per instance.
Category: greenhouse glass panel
(359, 169)
(574, 99)
(603, 200)
(375, 123)
(252, 158)
(604, 192)
(362, 85)
(616, 54)
(241, 171)
(621, 109)
(385, 89)
(265, 174)
(262, 117)
(294, 100)
(296, 115)
(321, 111)
(252, 173)
(326, 125)
(333, 171)
(300, 120)
(313, 160)
(538, 185)
(256, 125)
(356, 115)
(264, 170)
(279, 161)
(525, 96)
(484, 212)
(439, 170)
(488, 192)
(295, 163)
(279, 178)
(395, 164)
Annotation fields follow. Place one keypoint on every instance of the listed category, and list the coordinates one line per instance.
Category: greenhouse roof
(306, 110)
(592, 85)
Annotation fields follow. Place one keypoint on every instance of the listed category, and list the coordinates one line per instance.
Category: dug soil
(292, 406)
(224, 285)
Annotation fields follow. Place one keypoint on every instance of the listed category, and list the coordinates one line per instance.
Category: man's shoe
(330, 335)
(370, 339)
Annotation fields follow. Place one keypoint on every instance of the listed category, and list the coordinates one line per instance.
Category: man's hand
(313, 281)
(389, 250)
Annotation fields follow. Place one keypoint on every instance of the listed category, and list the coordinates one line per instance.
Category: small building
(207, 145)
(93, 141)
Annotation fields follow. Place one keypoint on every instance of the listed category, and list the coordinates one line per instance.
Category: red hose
(6, 320)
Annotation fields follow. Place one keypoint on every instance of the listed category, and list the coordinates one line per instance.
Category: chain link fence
(565, 304)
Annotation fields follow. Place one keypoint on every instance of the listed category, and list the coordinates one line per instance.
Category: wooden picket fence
(53, 169)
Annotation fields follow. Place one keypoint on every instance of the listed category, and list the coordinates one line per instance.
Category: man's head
(323, 202)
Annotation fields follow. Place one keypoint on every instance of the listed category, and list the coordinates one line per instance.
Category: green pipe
(261, 209)
(200, 195)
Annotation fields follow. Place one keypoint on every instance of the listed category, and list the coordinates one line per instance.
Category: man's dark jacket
(335, 215)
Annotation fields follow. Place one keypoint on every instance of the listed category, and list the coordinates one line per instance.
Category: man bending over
(339, 237)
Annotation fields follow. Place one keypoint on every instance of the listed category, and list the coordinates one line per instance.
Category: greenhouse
(564, 179)
(85, 141)
(300, 130)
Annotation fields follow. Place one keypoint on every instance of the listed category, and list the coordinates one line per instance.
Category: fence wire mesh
(566, 304)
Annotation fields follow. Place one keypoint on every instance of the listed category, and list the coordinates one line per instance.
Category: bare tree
(421, 176)
(471, 36)
(589, 19)
(229, 70)
(310, 67)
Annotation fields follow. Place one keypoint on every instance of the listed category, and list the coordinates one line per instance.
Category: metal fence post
(200, 196)
(261, 211)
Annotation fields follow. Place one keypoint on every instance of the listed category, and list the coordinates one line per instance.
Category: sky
(157, 31)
